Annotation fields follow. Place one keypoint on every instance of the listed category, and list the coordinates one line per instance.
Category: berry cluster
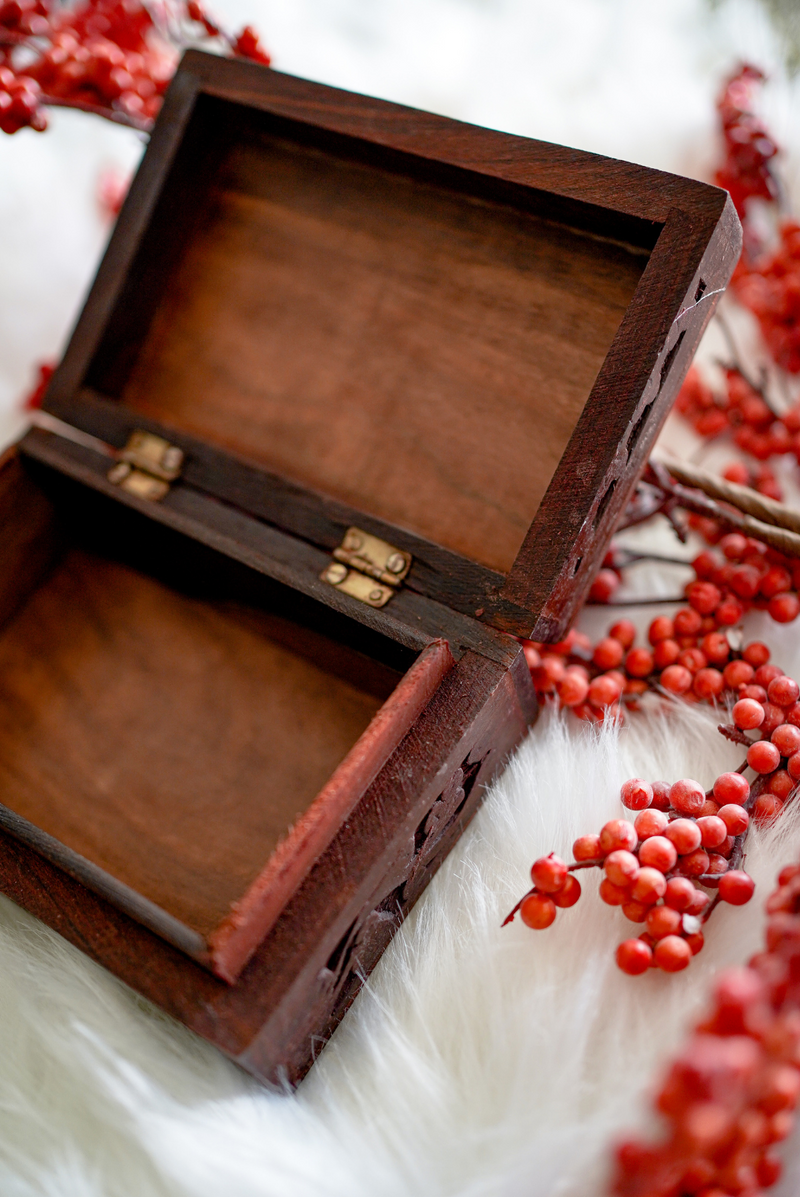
(742, 410)
(749, 149)
(684, 840)
(770, 288)
(688, 654)
(112, 57)
(657, 869)
(729, 1096)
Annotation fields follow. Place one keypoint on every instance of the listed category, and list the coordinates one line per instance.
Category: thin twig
(761, 507)
(782, 539)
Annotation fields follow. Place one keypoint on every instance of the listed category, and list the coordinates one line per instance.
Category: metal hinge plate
(147, 466)
(367, 568)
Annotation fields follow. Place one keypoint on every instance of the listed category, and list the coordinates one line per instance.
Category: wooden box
(356, 399)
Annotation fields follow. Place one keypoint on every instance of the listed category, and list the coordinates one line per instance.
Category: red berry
(748, 714)
(666, 653)
(729, 612)
(708, 684)
(763, 756)
(783, 691)
(696, 942)
(700, 900)
(756, 654)
(624, 631)
(731, 787)
(692, 659)
(733, 545)
(672, 954)
(549, 873)
(784, 608)
(735, 818)
(608, 653)
(684, 834)
(604, 690)
(621, 867)
(572, 689)
(786, 739)
(676, 679)
(781, 784)
(613, 895)
(637, 794)
(587, 847)
(773, 718)
(703, 596)
(661, 795)
(766, 809)
(650, 822)
(662, 628)
(537, 911)
(737, 673)
(569, 894)
(639, 662)
(766, 674)
(716, 647)
(736, 887)
(618, 833)
(687, 622)
(716, 863)
(663, 920)
(680, 893)
(635, 911)
(687, 796)
(603, 586)
(713, 831)
(649, 885)
(793, 766)
(694, 864)
(659, 853)
(634, 957)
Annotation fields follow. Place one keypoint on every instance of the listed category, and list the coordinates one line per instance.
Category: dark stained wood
(329, 319)
(410, 618)
(224, 779)
(476, 337)
(305, 974)
(168, 743)
(28, 536)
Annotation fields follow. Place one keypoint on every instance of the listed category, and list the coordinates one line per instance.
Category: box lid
(346, 312)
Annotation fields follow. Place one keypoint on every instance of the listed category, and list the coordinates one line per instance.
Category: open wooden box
(358, 391)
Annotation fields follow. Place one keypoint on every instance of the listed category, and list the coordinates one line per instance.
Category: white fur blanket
(477, 1061)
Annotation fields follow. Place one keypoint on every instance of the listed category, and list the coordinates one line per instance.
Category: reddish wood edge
(232, 943)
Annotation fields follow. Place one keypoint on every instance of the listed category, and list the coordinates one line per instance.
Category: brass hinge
(147, 466)
(367, 568)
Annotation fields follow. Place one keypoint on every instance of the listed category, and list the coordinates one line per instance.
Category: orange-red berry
(672, 954)
(634, 957)
(549, 873)
(537, 911)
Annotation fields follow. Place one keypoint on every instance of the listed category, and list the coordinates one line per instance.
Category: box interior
(166, 713)
(365, 328)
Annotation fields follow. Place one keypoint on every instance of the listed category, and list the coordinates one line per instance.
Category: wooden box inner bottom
(171, 735)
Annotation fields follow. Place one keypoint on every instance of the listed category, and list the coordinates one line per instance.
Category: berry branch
(728, 1097)
(112, 58)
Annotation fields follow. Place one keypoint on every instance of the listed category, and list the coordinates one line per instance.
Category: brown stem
(733, 733)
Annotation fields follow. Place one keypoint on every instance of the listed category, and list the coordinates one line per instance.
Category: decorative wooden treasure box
(356, 399)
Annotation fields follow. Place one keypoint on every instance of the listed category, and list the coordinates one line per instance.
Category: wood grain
(441, 239)
(330, 319)
(162, 739)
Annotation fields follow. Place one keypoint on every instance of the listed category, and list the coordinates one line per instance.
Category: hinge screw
(396, 563)
(336, 573)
